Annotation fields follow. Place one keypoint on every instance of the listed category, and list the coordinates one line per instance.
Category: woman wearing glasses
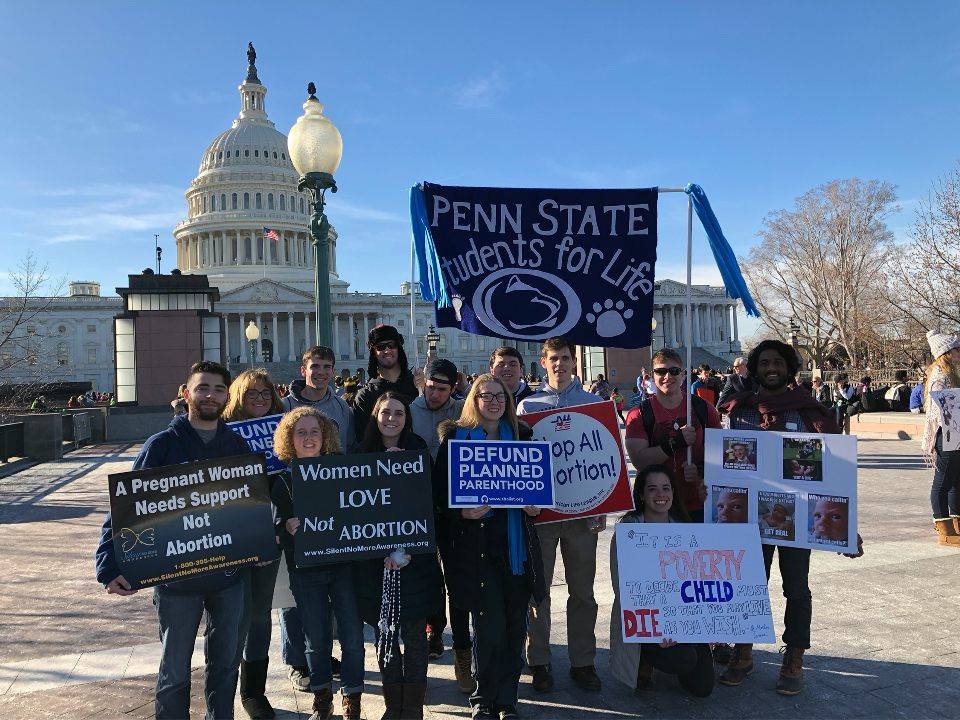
(494, 563)
(253, 395)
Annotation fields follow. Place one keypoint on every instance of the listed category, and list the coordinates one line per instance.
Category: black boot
(413, 697)
(253, 684)
(392, 700)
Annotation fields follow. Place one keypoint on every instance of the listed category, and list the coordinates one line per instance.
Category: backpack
(649, 419)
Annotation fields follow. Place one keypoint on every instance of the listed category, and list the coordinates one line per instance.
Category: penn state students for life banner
(799, 489)
(589, 471)
(258, 434)
(532, 263)
(692, 583)
(177, 522)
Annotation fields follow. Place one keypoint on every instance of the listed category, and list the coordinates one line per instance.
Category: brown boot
(322, 705)
(462, 663)
(351, 706)
(791, 671)
(956, 523)
(413, 697)
(644, 675)
(740, 665)
(947, 533)
(393, 700)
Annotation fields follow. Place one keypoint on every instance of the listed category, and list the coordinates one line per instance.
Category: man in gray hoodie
(577, 539)
(316, 390)
(436, 404)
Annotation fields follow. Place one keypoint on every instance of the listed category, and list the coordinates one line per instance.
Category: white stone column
(243, 340)
(276, 340)
(226, 337)
(696, 325)
(291, 356)
(736, 333)
(335, 335)
(677, 325)
(259, 338)
(366, 328)
(306, 329)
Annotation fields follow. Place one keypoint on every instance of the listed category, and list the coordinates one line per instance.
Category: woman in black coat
(418, 576)
(492, 560)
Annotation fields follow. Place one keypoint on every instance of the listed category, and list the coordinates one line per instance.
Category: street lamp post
(252, 332)
(433, 338)
(315, 149)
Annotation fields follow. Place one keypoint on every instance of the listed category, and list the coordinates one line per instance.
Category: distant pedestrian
(943, 374)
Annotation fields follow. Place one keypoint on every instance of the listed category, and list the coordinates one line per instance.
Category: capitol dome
(245, 217)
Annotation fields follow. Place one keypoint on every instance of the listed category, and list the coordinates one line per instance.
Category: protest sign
(692, 583)
(531, 263)
(948, 401)
(499, 474)
(362, 506)
(258, 434)
(589, 472)
(799, 489)
(177, 522)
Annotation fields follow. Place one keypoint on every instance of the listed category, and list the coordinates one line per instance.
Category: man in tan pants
(577, 540)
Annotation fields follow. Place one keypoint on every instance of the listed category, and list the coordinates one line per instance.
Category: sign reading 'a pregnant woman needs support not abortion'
(177, 522)
(500, 474)
(362, 506)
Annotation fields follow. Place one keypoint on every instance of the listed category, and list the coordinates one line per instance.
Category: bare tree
(817, 272)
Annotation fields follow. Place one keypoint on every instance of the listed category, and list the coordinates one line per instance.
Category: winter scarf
(772, 408)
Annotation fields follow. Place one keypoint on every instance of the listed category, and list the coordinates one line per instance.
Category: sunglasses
(674, 371)
(384, 346)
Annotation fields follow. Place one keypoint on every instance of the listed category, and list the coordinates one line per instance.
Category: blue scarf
(515, 544)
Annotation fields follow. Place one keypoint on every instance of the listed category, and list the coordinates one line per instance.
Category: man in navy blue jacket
(198, 435)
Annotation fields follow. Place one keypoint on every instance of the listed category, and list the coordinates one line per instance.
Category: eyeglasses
(492, 397)
(385, 345)
(673, 371)
(257, 395)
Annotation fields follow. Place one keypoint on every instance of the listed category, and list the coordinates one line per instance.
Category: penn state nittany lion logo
(527, 304)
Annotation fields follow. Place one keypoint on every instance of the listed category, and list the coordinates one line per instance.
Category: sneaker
(482, 712)
(740, 665)
(335, 667)
(542, 678)
(300, 677)
(434, 643)
(509, 712)
(790, 681)
(586, 678)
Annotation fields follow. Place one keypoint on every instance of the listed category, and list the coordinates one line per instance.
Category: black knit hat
(443, 370)
(382, 333)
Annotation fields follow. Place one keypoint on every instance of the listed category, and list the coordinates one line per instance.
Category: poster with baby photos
(799, 489)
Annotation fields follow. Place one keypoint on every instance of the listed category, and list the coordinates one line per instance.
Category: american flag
(269, 234)
(561, 423)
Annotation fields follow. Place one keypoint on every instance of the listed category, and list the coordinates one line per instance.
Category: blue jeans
(946, 480)
(316, 593)
(292, 642)
(256, 624)
(179, 617)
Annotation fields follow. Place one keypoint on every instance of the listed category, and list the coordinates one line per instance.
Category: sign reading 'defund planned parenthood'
(530, 264)
(177, 522)
(500, 473)
(258, 434)
(362, 506)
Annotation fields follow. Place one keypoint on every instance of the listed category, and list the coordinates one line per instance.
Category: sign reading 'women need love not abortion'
(692, 583)
(177, 522)
(589, 472)
(362, 506)
(533, 263)
(500, 474)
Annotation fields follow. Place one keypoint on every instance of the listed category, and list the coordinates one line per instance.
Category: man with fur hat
(388, 370)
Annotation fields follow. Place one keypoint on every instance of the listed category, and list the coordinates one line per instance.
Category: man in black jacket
(388, 370)
(198, 435)
(738, 382)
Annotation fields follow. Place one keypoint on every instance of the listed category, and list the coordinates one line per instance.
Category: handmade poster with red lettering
(589, 470)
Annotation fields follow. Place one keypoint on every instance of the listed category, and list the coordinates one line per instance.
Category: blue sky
(109, 106)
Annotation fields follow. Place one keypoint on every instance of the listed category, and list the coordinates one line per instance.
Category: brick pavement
(885, 643)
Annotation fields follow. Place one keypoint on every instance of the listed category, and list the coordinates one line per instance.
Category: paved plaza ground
(885, 634)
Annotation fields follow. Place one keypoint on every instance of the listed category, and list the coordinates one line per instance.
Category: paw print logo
(609, 318)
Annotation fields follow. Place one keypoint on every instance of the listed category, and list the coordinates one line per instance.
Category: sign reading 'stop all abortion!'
(534, 263)
(500, 474)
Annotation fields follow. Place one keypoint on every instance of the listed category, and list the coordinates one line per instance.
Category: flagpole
(688, 331)
(413, 327)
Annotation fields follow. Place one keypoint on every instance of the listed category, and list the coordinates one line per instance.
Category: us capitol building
(246, 182)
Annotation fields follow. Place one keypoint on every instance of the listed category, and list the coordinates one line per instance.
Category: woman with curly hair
(306, 433)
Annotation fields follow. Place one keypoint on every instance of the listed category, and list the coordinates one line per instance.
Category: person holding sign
(633, 663)
(412, 582)
(198, 435)
(253, 395)
(493, 562)
(305, 432)
(577, 539)
(943, 374)
(779, 406)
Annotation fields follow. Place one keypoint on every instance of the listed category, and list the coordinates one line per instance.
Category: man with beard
(506, 363)
(388, 370)
(198, 435)
(778, 406)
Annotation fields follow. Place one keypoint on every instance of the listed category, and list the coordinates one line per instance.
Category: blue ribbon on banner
(432, 285)
(722, 252)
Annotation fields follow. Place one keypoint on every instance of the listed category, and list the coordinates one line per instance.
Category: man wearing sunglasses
(315, 389)
(657, 430)
(388, 370)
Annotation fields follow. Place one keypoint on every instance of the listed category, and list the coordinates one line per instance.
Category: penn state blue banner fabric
(529, 264)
